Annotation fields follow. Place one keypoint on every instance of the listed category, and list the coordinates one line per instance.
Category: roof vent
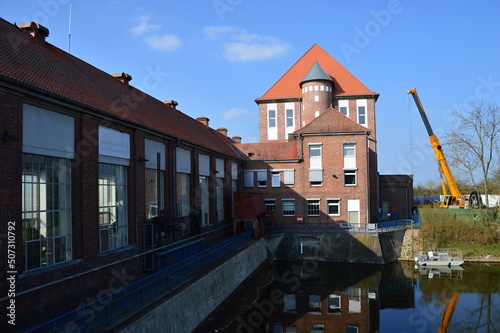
(124, 77)
(203, 120)
(35, 29)
(222, 131)
(173, 104)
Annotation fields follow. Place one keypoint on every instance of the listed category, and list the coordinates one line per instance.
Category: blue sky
(214, 57)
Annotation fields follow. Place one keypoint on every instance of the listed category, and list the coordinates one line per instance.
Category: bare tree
(473, 143)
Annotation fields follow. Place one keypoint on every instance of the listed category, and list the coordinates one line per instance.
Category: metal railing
(344, 227)
(112, 305)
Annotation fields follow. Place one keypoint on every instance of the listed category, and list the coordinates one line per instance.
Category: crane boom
(455, 198)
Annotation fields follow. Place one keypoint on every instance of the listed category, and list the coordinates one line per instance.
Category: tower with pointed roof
(316, 155)
(316, 93)
(313, 84)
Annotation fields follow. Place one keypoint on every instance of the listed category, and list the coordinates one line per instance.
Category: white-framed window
(316, 98)
(316, 177)
(275, 179)
(349, 153)
(315, 156)
(350, 178)
(289, 118)
(270, 204)
(272, 122)
(289, 178)
(344, 107)
(353, 212)
(262, 178)
(354, 295)
(334, 303)
(361, 105)
(288, 207)
(333, 207)
(46, 210)
(313, 207)
(315, 164)
(113, 217)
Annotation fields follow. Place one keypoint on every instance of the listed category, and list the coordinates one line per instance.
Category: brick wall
(332, 187)
(10, 188)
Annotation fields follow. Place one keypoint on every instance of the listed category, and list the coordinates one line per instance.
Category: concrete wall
(337, 247)
(186, 310)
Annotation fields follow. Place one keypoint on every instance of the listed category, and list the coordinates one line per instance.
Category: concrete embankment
(185, 310)
(369, 248)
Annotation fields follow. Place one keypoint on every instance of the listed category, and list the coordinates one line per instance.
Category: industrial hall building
(90, 165)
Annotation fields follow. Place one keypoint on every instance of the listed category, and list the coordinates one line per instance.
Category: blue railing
(343, 227)
(112, 305)
(170, 257)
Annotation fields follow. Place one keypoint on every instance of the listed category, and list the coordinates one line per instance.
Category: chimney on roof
(173, 104)
(222, 131)
(38, 31)
(203, 120)
(124, 77)
(237, 139)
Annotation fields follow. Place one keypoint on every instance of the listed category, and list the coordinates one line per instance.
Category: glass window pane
(46, 210)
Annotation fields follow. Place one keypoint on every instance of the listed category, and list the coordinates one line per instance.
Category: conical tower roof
(316, 73)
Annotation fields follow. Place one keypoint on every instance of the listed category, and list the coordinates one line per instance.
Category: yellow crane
(454, 199)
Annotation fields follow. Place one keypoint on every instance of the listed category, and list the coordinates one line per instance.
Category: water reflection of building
(328, 297)
(349, 310)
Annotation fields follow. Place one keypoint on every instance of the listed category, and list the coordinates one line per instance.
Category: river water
(317, 297)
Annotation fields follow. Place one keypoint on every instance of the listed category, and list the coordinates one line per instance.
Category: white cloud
(213, 32)
(168, 42)
(240, 45)
(235, 112)
(255, 51)
(144, 26)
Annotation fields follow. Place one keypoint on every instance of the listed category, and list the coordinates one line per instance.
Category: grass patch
(475, 232)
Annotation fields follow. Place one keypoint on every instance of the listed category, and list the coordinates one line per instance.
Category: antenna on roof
(69, 29)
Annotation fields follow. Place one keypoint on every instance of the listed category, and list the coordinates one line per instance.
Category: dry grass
(445, 227)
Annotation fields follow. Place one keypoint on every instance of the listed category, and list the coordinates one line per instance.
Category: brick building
(88, 160)
(317, 155)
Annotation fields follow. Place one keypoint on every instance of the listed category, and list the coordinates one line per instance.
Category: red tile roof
(332, 121)
(288, 85)
(41, 66)
(269, 150)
